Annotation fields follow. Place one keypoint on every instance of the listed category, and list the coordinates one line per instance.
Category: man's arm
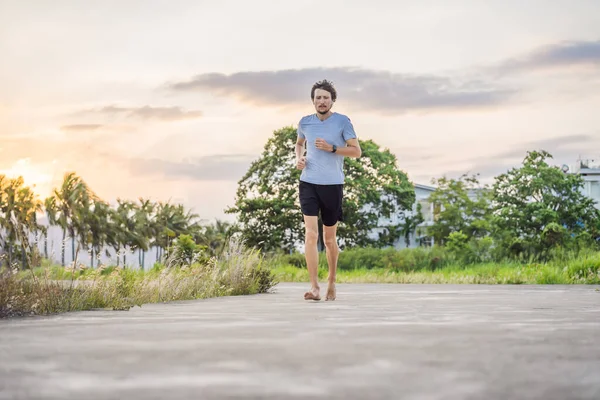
(352, 148)
(300, 148)
(300, 159)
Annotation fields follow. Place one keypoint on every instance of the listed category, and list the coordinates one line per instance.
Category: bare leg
(333, 251)
(312, 256)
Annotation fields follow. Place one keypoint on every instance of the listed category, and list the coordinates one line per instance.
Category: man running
(329, 137)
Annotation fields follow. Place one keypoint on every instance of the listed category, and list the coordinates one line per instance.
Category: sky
(173, 100)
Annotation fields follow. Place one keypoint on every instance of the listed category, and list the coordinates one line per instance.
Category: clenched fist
(322, 144)
(301, 162)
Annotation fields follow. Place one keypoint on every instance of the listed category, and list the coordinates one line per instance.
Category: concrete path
(375, 341)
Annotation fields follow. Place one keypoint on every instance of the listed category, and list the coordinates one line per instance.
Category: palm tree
(71, 202)
(30, 206)
(96, 232)
(166, 225)
(56, 218)
(115, 232)
(44, 231)
(214, 236)
(9, 208)
(172, 221)
(18, 208)
(51, 214)
(127, 234)
(4, 223)
(146, 228)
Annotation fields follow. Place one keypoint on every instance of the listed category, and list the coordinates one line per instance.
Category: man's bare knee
(330, 242)
(311, 236)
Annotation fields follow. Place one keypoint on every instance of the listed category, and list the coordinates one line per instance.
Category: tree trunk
(36, 247)
(10, 255)
(23, 258)
(73, 248)
(46, 245)
(64, 239)
(92, 260)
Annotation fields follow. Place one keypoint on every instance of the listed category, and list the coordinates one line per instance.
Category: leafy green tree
(537, 206)
(268, 208)
(186, 251)
(464, 207)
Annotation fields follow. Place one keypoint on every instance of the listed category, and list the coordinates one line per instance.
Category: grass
(240, 271)
(51, 289)
(583, 270)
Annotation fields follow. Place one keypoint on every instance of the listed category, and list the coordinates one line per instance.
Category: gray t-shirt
(323, 167)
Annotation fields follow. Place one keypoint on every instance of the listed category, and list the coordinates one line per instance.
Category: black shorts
(324, 198)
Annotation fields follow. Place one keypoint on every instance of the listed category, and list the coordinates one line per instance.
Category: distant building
(589, 169)
(418, 236)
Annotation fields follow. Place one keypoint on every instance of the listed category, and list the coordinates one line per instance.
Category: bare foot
(312, 294)
(330, 292)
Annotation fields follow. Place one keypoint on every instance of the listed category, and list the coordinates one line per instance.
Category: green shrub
(295, 259)
(554, 235)
(481, 250)
(457, 243)
(457, 246)
(367, 257)
(585, 269)
(412, 259)
(549, 276)
(185, 251)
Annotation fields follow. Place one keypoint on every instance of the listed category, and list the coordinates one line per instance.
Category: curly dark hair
(325, 85)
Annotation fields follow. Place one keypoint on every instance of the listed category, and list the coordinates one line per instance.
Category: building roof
(425, 187)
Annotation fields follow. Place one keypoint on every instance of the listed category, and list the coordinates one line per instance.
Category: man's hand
(321, 144)
(301, 162)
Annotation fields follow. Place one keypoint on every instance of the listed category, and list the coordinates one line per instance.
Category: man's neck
(323, 117)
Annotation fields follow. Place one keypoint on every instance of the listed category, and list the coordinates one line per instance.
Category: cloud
(147, 112)
(565, 54)
(394, 93)
(209, 168)
(381, 91)
(80, 127)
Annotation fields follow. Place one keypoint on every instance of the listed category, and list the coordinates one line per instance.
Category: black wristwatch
(334, 149)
